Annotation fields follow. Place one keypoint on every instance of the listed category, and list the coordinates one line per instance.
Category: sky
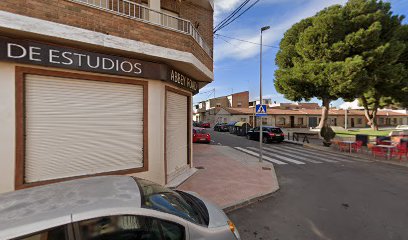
(236, 63)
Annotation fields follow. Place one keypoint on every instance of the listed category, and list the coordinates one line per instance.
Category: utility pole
(260, 96)
(345, 118)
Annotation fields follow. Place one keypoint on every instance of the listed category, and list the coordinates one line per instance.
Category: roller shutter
(176, 134)
(79, 127)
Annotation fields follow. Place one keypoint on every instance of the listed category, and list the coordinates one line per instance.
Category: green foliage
(327, 133)
(359, 49)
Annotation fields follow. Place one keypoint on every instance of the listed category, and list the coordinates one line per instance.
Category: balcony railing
(142, 13)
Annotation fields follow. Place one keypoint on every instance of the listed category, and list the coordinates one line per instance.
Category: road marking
(263, 157)
(319, 155)
(297, 157)
(279, 157)
(321, 152)
(304, 154)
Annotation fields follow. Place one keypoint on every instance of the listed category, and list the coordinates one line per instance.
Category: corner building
(96, 87)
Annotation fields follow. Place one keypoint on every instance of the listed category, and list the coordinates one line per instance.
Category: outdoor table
(349, 143)
(388, 147)
(387, 141)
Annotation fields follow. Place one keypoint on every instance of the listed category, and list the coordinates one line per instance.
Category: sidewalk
(229, 178)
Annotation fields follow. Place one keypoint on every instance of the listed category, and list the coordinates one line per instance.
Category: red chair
(401, 151)
(343, 147)
(357, 146)
(378, 151)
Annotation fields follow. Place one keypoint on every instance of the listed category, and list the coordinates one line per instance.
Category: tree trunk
(374, 125)
(371, 117)
(325, 112)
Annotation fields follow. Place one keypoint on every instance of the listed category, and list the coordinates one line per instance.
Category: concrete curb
(248, 202)
(255, 198)
(294, 142)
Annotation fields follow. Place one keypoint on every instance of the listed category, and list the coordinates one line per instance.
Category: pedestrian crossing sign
(260, 110)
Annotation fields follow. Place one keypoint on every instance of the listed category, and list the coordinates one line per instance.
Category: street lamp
(260, 95)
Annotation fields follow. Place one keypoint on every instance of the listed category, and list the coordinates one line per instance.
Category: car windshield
(202, 131)
(165, 200)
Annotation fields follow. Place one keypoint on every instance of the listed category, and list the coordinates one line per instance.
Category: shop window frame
(20, 72)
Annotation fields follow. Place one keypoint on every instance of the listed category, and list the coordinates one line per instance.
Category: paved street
(324, 196)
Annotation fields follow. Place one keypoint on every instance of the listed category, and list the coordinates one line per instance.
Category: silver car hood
(217, 217)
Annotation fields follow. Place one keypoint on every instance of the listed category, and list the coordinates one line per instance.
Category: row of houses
(306, 118)
(291, 115)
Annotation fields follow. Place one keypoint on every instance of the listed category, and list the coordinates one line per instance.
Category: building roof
(56, 204)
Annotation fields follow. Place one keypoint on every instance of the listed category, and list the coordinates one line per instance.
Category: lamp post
(260, 95)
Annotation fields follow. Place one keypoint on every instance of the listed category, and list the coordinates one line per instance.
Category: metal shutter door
(176, 134)
(80, 127)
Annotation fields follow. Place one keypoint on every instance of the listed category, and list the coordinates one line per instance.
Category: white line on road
(317, 156)
(338, 157)
(280, 157)
(286, 152)
(257, 155)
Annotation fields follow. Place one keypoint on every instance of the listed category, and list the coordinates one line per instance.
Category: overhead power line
(241, 40)
(231, 15)
(235, 18)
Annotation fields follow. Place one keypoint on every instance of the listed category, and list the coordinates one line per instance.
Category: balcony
(142, 13)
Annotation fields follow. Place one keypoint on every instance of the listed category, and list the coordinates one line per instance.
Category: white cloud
(226, 5)
(233, 49)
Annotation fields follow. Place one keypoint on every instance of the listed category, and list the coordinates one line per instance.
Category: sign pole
(260, 103)
(260, 96)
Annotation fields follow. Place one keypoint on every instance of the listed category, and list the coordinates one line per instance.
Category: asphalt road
(348, 199)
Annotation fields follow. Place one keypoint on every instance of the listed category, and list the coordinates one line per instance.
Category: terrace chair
(378, 151)
(343, 147)
(370, 147)
(357, 146)
(401, 151)
(335, 143)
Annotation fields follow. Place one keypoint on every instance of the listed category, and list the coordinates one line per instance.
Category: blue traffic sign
(260, 110)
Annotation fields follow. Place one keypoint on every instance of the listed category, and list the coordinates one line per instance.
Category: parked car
(221, 127)
(205, 125)
(270, 134)
(201, 135)
(110, 207)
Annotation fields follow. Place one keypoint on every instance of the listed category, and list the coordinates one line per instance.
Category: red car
(201, 135)
(205, 125)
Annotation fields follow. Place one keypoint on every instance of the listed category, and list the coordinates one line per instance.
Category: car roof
(57, 203)
(271, 127)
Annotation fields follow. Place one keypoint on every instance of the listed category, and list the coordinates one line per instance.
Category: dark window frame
(76, 233)
(68, 228)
